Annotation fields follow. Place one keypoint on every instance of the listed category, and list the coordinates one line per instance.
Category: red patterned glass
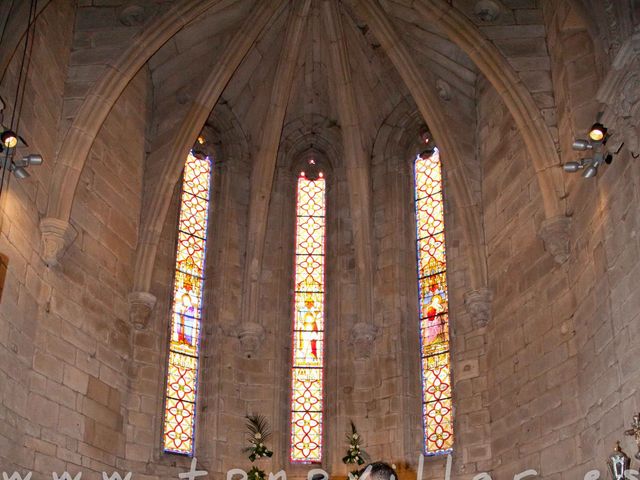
(308, 323)
(184, 340)
(433, 306)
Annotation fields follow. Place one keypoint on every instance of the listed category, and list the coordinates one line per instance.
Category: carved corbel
(478, 303)
(554, 233)
(251, 336)
(140, 306)
(57, 235)
(362, 336)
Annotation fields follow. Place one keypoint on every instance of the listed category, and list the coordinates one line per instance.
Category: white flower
(258, 436)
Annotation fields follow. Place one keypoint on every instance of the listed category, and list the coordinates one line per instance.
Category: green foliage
(256, 474)
(355, 454)
(258, 432)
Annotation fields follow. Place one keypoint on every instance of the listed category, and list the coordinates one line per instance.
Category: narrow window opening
(186, 317)
(433, 305)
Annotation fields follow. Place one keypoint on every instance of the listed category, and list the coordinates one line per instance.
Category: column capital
(361, 338)
(140, 306)
(251, 336)
(554, 233)
(478, 303)
(56, 235)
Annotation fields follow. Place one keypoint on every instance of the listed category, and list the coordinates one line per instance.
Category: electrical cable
(6, 67)
(20, 90)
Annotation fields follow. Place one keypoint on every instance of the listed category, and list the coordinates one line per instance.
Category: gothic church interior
(308, 234)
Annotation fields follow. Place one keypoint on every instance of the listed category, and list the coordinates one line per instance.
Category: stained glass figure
(433, 306)
(184, 340)
(308, 323)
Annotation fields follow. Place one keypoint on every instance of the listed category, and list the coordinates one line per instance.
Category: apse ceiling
(178, 69)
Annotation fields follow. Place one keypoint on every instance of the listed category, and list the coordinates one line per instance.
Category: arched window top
(433, 304)
(313, 163)
(188, 285)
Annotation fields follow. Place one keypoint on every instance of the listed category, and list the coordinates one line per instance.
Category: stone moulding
(140, 306)
(620, 92)
(56, 235)
(554, 233)
(361, 338)
(478, 304)
(251, 335)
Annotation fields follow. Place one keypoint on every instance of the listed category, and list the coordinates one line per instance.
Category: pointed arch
(514, 94)
(96, 106)
(430, 108)
(185, 137)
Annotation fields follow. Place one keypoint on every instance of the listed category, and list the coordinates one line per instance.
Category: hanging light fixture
(9, 138)
(596, 141)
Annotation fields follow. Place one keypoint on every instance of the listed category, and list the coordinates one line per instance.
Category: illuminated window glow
(433, 306)
(308, 322)
(184, 342)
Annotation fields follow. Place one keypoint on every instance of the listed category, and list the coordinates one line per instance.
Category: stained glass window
(433, 306)
(184, 340)
(308, 322)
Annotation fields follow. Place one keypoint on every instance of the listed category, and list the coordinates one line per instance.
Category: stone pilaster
(56, 236)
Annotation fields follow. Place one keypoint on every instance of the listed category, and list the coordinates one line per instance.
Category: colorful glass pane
(184, 339)
(308, 323)
(433, 306)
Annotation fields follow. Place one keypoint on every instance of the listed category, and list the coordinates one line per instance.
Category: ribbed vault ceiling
(179, 68)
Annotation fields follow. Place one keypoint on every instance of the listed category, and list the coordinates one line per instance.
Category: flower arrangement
(355, 454)
(258, 432)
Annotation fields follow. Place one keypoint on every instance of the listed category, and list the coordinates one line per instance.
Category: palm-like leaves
(355, 454)
(258, 432)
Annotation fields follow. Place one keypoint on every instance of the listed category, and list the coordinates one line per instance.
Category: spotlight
(572, 166)
(596, 141)
(9, 139)
(590, 172)
(31, 159)
(20, 172)
(581, 145)
(201, 140)
(597, 132)
(19, 167)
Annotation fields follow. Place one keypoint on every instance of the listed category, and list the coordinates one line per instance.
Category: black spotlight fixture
(9, 139)
(597, 132)
(596, 141)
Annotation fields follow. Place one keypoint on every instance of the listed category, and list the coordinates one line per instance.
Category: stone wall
(28, 431)
(532, 362)
(67, 333)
